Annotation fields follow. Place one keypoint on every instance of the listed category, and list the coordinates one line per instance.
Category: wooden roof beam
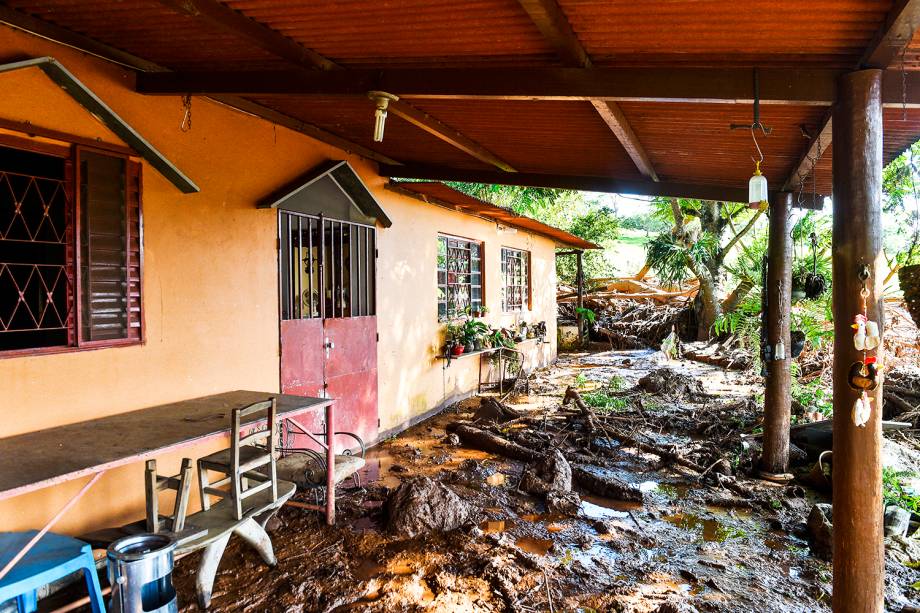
(893, 37)
(550, 19)
(887, 47)
(433, 126)
(796, 86)
(588, 183)
(60, 35)
(218, 15)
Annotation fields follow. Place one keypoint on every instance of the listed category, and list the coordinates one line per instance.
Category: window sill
(42, 351)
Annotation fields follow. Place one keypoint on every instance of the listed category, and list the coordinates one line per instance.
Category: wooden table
(36, 460)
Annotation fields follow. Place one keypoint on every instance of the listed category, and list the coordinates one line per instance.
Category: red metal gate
(328, 321)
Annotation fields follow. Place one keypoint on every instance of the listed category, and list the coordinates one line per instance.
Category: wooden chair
(242, 461)
(181, 483)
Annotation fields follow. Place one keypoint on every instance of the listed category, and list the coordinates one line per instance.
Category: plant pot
(457, 350)
(909, 278)
(469, 348)
(477, 346)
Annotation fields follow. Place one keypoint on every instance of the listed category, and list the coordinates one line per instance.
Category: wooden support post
(859, 555)
(774, 462)
(580, 302)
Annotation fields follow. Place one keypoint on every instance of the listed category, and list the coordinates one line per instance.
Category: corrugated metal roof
(442, 195)
(371, 33)
(715, 32)
(686, 142)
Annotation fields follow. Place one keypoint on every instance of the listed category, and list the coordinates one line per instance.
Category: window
(515, 279)
(459, 276)
(327, 267)
(70, 250)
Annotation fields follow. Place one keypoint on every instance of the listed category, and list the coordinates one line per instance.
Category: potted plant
(471, 331)
(454, 335)
(479, 310)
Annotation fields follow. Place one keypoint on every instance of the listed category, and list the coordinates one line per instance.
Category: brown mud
(716, 542)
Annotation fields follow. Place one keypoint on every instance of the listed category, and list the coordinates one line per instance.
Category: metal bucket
(140, 572)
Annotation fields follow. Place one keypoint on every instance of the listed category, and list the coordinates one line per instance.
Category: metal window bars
(328, 267)
(459, 276)
(515, 279)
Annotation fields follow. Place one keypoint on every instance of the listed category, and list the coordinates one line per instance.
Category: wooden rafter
(549, 18)
(216, 14)
(221, 16)
(792, 86)
(447, 134)
(886, 48)
(816, 148)
(893, 37)
(83, 43)
(587, 183)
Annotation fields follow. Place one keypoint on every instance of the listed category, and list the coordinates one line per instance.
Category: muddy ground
(690, 545)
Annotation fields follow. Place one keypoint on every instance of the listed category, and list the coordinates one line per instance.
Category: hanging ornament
(864, 375)
(862, 410)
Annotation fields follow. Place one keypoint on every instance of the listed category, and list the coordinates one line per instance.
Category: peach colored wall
(210, 280)
(410, 334)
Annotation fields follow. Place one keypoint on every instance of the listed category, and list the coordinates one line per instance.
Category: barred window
(515, 279)
(459, 276)
(70, 249)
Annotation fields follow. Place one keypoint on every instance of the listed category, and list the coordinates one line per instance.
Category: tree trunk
(708, 307)
(732, 301)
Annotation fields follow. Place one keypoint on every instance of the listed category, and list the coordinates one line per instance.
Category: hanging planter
(909, 278)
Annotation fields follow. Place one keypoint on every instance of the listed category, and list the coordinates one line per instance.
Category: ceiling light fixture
(382, 100)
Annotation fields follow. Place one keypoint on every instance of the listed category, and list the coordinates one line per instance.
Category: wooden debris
(605, 484)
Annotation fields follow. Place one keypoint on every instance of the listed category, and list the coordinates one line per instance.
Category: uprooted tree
(695, 246)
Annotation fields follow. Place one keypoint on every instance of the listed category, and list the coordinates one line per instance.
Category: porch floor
(689, 543)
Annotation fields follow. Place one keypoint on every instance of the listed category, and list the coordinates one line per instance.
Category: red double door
(328, 318)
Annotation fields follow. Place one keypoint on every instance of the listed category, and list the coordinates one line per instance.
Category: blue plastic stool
(53, 557)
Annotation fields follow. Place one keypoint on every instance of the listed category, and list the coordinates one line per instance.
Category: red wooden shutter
(111, 238)
(135, 242)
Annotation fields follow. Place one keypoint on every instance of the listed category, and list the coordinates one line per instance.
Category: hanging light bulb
(382, 100)
(757, 187)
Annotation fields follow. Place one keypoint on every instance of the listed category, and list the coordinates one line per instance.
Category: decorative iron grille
(328, 267)
(515, 279)
(36, 251)
(459, 276)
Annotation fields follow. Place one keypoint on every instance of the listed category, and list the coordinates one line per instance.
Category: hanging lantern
(382, 100)
(757, 188)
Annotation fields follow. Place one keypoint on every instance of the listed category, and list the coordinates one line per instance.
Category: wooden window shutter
(109, 262)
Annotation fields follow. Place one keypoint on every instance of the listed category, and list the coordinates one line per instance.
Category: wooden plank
(893, 37)
(589, 183)
(218, 15)
(36, 460)
(447, 134)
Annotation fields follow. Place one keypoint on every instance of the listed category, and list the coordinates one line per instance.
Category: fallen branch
(605, 485)
(486, 441)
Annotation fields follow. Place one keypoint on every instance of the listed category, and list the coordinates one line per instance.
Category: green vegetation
(604, 400)
(569, 210)
(896, 492)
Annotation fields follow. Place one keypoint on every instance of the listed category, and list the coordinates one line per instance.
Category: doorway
(327, 270)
